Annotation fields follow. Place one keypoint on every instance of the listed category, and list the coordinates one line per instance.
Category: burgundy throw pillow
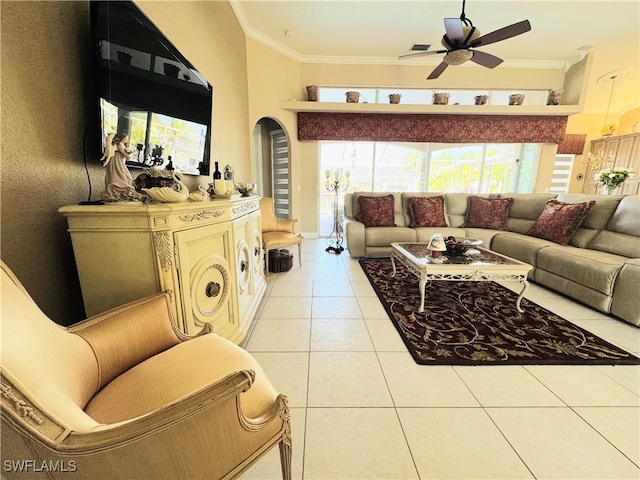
(489, 213)
(427, 211)
(377, 211)
(559, 220)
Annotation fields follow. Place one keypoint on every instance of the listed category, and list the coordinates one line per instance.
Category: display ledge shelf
(554, 110)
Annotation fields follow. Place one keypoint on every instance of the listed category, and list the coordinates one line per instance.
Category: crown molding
(349, 60)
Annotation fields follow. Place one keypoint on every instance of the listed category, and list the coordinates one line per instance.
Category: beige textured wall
(45, 79)
(272, 77)
(46, 102)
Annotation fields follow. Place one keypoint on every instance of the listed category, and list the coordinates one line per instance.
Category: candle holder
(336, 184)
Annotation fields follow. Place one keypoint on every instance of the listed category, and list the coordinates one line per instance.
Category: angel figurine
(118, 181)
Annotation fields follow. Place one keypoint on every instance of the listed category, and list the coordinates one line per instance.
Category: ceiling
(377, 32)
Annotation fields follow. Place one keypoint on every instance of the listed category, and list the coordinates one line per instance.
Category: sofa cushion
(525, 210)
(377, 211)
(384, 236)
(596, 219)
(488, 213)
(518, 246)
(424, 234)
(622, 233)
(595, 270)
(427, 211)
(560, 220)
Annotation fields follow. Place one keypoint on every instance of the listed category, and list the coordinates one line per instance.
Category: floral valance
(431, 128)
(572, 144)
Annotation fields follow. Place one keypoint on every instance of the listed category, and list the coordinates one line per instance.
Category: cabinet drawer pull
(212, 289)
(256, 251)
(243, 266)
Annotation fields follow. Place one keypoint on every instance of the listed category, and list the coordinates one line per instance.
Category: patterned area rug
(476, 323)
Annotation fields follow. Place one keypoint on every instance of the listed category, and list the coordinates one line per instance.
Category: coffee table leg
(423, 283)
(393, 264)
(525, 284)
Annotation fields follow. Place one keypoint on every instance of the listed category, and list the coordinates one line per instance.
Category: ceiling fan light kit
(462, 38)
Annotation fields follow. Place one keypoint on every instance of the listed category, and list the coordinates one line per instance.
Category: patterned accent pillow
(377, 211)
(560, 220)
(489, 212)
(427, 211)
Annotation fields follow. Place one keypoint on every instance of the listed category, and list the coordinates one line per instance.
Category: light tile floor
(362, 408)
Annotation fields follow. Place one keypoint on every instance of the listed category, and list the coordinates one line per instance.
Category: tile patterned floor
(362, 409)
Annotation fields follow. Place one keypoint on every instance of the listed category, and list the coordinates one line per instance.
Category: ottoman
(280, 260)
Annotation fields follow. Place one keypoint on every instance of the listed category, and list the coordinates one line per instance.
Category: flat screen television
(148, 88)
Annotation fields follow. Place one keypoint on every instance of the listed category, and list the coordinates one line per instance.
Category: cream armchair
(277, 232)
(126, 395)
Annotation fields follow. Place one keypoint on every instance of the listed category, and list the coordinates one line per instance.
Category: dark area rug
(476, 323)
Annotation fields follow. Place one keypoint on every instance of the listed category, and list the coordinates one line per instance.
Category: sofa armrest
(127, 335)
(355, 236)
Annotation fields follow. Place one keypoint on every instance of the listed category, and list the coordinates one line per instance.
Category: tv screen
(149, 89)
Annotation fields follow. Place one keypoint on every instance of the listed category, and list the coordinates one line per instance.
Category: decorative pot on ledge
(394, 98)
(440, 98)
(555, 96)
(312, 93)
(481, 99)
(353, 97)
(516, 99)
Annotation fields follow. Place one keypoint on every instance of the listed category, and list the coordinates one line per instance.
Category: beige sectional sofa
(600, 266)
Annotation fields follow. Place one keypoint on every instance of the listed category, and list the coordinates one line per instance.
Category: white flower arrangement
(612, 178)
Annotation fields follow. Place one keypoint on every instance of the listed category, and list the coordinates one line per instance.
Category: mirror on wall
(149, 89)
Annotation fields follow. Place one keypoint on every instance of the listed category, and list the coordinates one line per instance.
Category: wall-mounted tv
(149, 89)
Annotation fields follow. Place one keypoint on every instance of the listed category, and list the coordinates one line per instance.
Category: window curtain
(431, 128)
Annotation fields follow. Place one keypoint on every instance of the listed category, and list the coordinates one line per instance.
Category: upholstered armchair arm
(202, 435)
(129, 334)
(355, 236)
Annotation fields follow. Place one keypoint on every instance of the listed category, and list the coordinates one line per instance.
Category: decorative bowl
(178, 193)
(461, 246)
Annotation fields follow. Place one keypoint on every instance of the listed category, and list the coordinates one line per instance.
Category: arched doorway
(271, 164)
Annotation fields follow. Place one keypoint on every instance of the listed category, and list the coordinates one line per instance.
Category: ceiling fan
(462, 38)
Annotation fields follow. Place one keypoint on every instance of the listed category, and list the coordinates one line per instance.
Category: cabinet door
(206, 279)
(249, 273)
(623, 155)
(243, 264)
(610, 152)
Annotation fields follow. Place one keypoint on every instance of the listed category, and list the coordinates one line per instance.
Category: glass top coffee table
(484, 265)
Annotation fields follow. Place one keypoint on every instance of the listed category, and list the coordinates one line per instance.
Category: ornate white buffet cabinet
(208, 253)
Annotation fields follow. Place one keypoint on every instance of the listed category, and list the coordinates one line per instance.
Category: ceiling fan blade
(437, 71)
(502, 34)
(421, 54)
(485, 59)
(453, 26)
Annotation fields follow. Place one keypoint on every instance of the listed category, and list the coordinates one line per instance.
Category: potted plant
(612, 178)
